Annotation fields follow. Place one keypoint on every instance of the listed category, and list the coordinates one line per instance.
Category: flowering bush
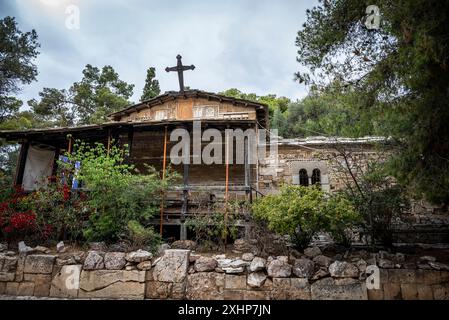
(53, 212)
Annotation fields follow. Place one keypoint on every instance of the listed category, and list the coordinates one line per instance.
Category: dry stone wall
(183, 274)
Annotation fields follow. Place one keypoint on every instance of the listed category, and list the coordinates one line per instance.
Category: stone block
(256, 295)
(8, 264)
(20, 267)
(233, 294)
(441, 291)
(403, 276)
(235, 282)
(281, 287)
(329, 289)
(424, 292)
(42, 289)
(392, 291)
(172, 267)
(178, 291)
(409, 291)
(299, 289)
(2, 287)
(205, 286)
(25, 289)
(99, 279)
(12, 288)
(375, 294)
(66, 282)
(158, 290)
(7, 276)
(117, 290)
(38, 263)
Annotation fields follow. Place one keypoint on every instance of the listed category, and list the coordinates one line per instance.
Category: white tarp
(38, 167)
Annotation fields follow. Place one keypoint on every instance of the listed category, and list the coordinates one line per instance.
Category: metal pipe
(163, 178)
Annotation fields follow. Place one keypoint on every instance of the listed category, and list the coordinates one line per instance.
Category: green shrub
(302, 212)
(380, 201)
(143, 236)
(116, 194)
(213, 226)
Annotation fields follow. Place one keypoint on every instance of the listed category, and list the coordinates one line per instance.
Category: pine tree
(151, 88)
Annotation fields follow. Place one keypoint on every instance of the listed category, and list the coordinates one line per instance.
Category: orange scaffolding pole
(163, 178)
(226, 189)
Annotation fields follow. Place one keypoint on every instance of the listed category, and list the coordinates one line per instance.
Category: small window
(303, 178)
(316, 176)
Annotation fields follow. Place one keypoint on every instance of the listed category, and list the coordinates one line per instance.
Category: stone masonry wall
(181, 274)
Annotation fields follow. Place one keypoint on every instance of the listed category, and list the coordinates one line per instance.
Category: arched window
(303, 178)
(316, 176)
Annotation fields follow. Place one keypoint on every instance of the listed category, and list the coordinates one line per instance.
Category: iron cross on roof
(180, 69)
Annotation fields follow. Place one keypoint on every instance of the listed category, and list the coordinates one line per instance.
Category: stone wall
(181, 274)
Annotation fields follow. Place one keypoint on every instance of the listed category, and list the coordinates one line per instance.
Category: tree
(17, 51)
(151, 88)
(301, 212)
(332, 111)
(399, 69)
(99, 93)
(271, 100)
(54, 108)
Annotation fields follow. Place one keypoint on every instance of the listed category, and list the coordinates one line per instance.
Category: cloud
(245, 44)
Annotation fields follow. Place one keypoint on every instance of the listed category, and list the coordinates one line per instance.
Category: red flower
(23, 220)
(66, 192)
(7, 229)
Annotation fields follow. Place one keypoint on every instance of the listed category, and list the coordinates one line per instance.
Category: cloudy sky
(244, 44)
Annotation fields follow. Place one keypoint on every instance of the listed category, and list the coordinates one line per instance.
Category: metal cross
(180, 69)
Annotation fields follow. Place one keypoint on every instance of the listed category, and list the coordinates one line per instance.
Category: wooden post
(21, 160)
(226, 188)
(247, 170)
(185, 192)
(69, 148)
(163, 178)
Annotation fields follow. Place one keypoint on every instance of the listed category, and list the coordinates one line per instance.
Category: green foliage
(214, 226)
(60, 212)
(143, 236)
(400, 70)
(53, 109)
(116, 195)
(99, 93)
(333, 111)
(302, 212)
(17, 51)
(274, 103)
(380, 201)
(151, 88)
